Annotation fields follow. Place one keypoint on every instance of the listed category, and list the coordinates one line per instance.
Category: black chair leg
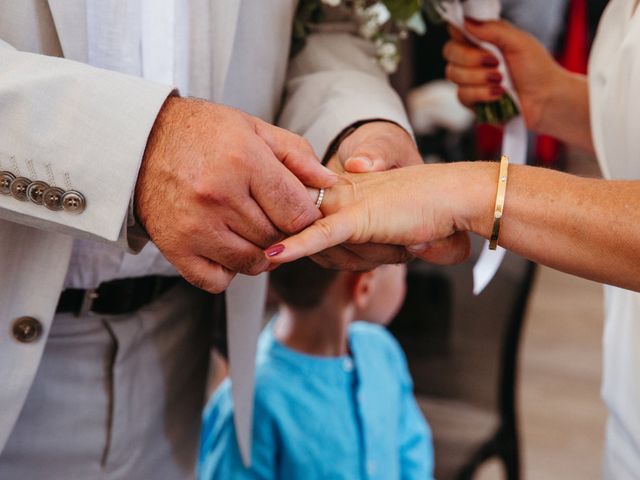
(511, 459)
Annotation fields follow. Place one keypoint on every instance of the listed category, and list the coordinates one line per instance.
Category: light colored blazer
(91, 126)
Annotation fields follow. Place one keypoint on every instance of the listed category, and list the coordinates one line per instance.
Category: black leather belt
(116, 297)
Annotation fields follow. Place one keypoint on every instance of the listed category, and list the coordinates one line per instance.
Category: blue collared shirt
(349, 417)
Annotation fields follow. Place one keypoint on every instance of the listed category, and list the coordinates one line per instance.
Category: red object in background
(488, 141)
(574, 56)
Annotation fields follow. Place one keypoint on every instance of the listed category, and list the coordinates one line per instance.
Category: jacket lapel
(224, 19)
(70, 17)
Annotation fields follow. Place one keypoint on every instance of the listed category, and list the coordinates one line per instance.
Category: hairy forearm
(586, 227)
(565, 114)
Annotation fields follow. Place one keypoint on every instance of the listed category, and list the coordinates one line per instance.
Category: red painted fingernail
(497, 91)
(275, 250)
(490, 62)
(494, 77)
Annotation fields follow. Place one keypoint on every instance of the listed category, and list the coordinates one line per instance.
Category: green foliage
(498, 112)
(403, 10)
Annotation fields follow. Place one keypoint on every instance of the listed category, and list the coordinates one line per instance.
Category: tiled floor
(562, 417)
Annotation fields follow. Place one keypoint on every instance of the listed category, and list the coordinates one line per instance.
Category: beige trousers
(117, 397)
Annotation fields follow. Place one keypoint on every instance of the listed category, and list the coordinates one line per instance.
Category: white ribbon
(514, 142)
(245, 301)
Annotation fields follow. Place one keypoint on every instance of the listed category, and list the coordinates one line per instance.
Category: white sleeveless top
(614, 84)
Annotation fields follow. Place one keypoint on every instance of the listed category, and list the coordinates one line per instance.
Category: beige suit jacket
(91, 126)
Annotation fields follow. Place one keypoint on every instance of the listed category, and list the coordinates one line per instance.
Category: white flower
(369, 29)
(387, 49)
(372, 18)
(389, 64)
(332, 3)
(379, 13)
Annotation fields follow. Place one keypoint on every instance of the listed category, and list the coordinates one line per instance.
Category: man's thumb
(368, 159)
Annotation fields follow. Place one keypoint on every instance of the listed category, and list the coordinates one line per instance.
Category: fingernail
(497, 91)
(274, 251)
(366, 160)
(490, 62)
(494, 77)
(419, 248)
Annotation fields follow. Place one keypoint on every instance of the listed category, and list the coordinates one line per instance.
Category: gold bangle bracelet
(502, 190)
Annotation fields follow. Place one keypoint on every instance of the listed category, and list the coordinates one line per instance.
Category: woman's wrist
(565, 109)
(473, 208)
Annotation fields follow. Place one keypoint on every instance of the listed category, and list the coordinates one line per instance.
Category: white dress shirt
(166, 41)
(614, 81)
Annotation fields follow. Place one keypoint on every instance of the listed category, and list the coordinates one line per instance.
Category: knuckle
(258, 267)
(324, 228)
(449, 72)
(304, 145)
(248, 260)
(217, 285)
(207, 191)
(466, 97)
(302, 219)
(446, 50)
(219, 281)
(196, 280)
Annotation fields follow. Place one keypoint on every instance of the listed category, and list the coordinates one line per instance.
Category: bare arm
(566, 111)
(587, 227)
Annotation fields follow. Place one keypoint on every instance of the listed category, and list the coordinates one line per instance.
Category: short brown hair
(302, 284)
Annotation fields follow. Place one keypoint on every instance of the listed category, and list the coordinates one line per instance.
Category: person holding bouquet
(587, 227)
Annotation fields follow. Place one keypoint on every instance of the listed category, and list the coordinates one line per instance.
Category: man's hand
(374, 146)
(217, 185)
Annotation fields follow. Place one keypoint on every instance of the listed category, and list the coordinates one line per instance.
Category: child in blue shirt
(334, 399)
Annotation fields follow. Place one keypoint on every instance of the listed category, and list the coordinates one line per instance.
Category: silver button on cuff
(41, 193)
(26, 329)
(19, 188)
(5, 182)
(36, 190)
(73, 202)
(52, 198)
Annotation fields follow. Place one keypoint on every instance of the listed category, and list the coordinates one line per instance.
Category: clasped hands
(217, 186)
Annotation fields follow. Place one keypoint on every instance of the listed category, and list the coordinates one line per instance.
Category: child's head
(375, 296)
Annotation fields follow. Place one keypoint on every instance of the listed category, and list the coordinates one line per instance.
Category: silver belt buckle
(90, 296)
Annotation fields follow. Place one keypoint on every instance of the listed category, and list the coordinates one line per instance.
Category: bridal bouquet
(387, 22)
(503, 109)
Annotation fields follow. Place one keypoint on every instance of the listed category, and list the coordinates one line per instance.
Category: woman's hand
(425, 208)
(534, 72)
